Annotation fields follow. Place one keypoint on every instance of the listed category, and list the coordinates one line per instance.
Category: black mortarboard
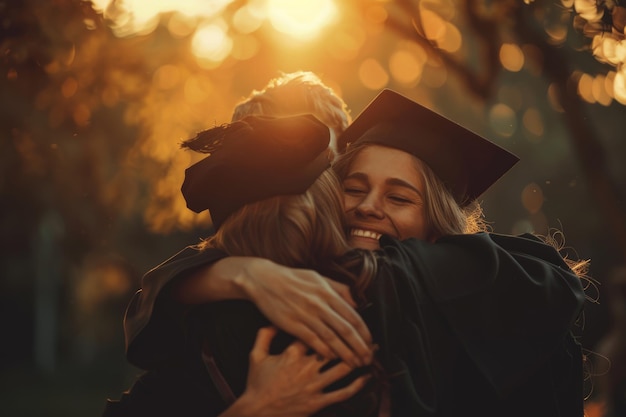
(466, 162)
(254, 159)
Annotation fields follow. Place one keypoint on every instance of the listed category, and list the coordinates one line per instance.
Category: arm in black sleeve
(511, 301)
(152, 323)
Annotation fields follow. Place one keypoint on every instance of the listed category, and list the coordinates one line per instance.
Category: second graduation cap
(253, 159)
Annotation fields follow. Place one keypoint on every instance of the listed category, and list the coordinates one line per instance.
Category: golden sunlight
(211, 43)
(302, 19)
(133, 17)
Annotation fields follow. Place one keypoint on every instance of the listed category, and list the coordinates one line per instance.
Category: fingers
(342, 338)
(297, 349)
(311, 339)
(262, 343)
(353, 330)
(343, 394)
(331, 375)
(343, 290)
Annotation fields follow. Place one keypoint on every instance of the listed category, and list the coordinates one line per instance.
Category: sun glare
(141, 17)
(211, 43)
(301, 19)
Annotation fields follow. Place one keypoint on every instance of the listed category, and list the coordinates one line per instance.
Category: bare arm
(289, 384)
(318, 311)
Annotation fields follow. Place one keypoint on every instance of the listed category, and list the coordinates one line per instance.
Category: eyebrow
(389, 181)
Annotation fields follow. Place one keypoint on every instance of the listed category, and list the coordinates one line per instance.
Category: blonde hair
(302, 231)
(296, 93)
(443, 215)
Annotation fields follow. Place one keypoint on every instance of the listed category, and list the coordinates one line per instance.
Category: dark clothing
(470, 324)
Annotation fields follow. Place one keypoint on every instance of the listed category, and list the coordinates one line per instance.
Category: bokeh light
(211, 44)
(599, 91)
(502, 120)
(533, 124)
(406, 65)
(588, 10)
(619, 86)
(302, 19)
(372, 74)
(247, 19)
(511, 57)
(532, 198)
(445, 35)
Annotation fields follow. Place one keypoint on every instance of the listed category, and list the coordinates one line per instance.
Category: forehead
(384, 163)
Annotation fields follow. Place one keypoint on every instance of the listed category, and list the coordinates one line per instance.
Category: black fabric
(497, 340)
(253, 159)
(178, 390)
(472, 323)
(153, 323)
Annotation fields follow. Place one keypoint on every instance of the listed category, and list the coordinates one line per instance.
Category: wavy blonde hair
(301, 231)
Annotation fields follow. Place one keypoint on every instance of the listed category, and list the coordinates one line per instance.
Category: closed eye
(399, 199)
(353, 191)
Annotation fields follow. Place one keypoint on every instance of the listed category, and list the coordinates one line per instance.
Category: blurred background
(96, 96)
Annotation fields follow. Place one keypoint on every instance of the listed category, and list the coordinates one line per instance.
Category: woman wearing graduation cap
(501, 306)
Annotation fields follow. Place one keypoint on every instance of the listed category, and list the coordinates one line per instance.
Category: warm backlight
(301, 19)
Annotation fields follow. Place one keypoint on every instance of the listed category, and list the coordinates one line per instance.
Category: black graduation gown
(473, 323)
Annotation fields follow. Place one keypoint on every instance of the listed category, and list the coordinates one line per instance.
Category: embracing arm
(510, 300)
(314, 309)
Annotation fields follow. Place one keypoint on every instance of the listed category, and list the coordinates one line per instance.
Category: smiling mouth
(365, 233)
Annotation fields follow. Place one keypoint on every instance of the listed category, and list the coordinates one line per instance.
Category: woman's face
(384, 194)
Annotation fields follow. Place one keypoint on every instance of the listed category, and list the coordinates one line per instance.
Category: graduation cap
(253, 159)
(466, 162)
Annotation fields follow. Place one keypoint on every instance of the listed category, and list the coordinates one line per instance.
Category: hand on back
(289, 384)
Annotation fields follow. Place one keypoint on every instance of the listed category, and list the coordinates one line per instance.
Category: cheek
(349, 202)
(412, 224)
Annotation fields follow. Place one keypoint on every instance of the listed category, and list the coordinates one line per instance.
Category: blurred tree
(530, 25)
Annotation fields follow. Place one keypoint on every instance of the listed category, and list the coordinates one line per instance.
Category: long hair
(308, 231)
(443, 215)
(301, 231)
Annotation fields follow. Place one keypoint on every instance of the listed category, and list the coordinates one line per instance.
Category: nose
(369, 207)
